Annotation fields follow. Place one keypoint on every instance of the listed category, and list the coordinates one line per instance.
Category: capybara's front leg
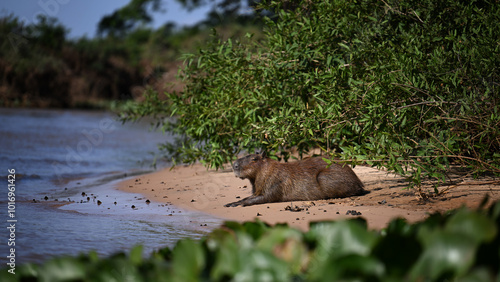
(235, 204)
(248, 201)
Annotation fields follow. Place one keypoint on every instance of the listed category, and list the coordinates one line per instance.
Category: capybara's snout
(237, 168)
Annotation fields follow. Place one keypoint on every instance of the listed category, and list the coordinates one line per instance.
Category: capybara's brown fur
(309, 179)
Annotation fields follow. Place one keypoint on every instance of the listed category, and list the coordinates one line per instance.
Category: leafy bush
(461, 244)
(411, 86)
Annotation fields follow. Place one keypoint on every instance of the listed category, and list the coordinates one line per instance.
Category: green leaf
(351, 268)
(472, 225)
(446, 255)
(287, 244)
(136, 255)
(62, 269)
(188, 260)
(339, 239)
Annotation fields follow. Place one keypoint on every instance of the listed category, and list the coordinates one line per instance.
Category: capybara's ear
(263, 154)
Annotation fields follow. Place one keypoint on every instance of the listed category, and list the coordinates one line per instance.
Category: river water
(60, 155)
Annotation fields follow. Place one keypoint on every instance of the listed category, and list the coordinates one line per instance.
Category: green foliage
(411, 86)
(125, 19)
(460, 245)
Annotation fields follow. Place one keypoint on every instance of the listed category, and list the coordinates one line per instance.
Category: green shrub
(411, 86)
(459, 245)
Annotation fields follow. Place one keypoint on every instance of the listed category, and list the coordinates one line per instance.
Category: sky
(82, 16)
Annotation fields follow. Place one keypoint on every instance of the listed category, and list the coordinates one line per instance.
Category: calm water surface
(59, 155)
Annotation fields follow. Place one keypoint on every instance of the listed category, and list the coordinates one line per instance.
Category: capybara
(308, 179)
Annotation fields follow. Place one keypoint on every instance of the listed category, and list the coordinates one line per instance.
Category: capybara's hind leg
(333, 185)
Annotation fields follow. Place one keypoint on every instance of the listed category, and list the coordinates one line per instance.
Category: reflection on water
(61, 153)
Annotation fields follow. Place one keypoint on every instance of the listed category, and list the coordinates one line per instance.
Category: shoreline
(100, 197)
(197, 189)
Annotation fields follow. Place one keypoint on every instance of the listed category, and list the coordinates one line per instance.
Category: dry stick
(425, 195)
(491, 182)
(469, 121)
(458, 156)
(418, 17)
(475, 159)
(423, 103)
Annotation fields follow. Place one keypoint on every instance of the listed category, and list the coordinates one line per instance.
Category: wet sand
(198, 189)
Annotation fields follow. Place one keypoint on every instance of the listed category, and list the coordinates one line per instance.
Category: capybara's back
(309, 179)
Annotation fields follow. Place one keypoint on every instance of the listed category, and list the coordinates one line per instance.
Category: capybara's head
(247, 167)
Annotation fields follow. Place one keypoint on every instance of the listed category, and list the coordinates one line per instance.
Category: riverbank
(196, 188)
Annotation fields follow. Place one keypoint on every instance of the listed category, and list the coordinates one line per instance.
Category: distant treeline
(41, 67)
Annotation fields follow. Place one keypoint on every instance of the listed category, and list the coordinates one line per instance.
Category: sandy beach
(198, 189)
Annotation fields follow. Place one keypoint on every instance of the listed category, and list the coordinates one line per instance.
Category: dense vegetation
(410, 86)
(461, 245)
